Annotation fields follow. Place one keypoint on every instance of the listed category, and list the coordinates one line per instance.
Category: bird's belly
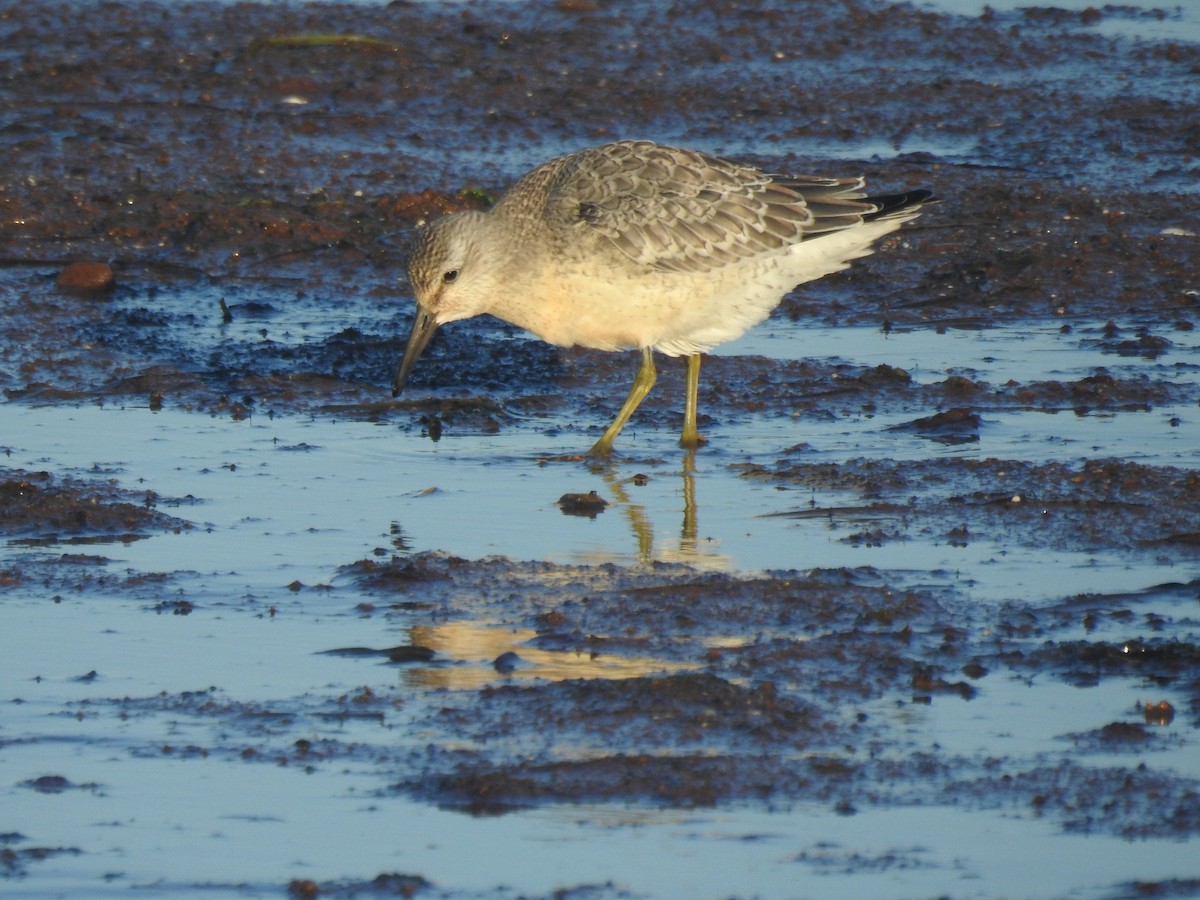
(676, 313)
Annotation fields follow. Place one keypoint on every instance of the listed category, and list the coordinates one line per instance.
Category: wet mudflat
(920, 620)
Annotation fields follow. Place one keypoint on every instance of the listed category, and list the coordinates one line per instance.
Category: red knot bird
(635, 245)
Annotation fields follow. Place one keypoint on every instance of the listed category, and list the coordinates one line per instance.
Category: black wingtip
(890, 204)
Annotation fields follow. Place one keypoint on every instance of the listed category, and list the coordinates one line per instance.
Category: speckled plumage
(638, 245)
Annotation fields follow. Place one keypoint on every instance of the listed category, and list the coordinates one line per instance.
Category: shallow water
(169, 827)
(282, 500)
(1143, 19)
(289, 498)
(156, 821)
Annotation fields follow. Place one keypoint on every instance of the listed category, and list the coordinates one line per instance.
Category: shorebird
(636, 245)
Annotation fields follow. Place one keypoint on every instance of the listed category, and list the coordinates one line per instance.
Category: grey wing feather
(679, 210)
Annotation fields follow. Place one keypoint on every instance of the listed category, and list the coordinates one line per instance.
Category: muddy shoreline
(248, 175)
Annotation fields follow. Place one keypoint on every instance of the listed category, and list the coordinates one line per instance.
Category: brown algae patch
(40, 508)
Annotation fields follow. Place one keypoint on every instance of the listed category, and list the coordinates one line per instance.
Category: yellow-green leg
(641, 387)
(691, 437)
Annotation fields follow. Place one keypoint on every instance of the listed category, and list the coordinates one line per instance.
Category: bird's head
(449, 280)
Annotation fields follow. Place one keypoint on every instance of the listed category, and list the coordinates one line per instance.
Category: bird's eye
(450, 276)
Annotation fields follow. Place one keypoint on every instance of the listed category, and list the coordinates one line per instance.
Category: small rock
(974, 669)
(506, 662)
(49, 784)
(86, 278)
(590, 504)
(407, 653)
(953, 426)
(1161, 713)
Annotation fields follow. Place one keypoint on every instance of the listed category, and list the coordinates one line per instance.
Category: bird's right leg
(641, 387)
(691, 438)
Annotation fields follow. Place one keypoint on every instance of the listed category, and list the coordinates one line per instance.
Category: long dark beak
(424, 325)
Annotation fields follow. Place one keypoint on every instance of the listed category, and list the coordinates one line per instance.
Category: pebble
(86, 278)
